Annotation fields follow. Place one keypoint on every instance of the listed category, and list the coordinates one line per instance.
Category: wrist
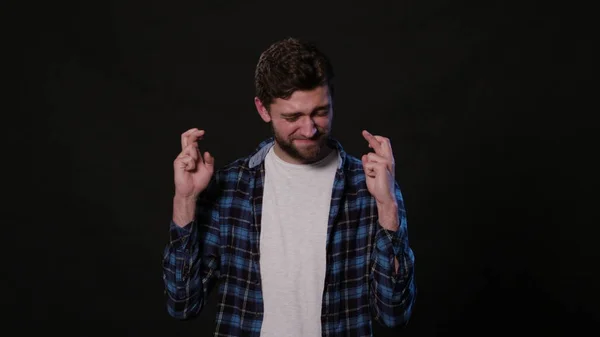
(185, 199)
(183, 210)
(391, 206)
(388, 215)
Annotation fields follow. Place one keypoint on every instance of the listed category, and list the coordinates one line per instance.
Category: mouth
(306, 141)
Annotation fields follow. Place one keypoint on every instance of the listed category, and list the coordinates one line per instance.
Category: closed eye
(291, 118)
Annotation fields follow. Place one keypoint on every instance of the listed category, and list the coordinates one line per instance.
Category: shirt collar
(258, 157)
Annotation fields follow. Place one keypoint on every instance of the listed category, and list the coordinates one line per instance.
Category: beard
(306, 154)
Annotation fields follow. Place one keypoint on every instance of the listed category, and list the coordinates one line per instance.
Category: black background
(486, 104)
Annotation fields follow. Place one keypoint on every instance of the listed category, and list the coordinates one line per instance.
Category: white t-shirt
(296, 203)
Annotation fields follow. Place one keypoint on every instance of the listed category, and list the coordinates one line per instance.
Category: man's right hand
(193, 170)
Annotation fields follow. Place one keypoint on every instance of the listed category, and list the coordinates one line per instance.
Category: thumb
(209, 160)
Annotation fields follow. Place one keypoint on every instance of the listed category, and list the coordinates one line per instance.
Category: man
(302, 238)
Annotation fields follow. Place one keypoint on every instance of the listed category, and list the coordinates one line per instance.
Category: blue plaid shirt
(221, 246)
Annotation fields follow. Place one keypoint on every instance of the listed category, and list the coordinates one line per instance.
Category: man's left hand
(379, 169)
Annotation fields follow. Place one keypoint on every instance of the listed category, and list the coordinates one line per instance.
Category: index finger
(190, 136)
(386, 146)
(375, 144)
(381, 145)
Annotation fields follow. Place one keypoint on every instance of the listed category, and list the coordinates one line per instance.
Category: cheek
(284, 128)
(323, 123)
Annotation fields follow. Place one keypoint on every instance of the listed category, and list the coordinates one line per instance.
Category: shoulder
(224, 180)
(353, 168)
(232, 171)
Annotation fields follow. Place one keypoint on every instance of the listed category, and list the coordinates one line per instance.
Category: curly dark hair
(289, 65)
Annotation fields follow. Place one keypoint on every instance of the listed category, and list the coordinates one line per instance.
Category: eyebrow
(319, 108)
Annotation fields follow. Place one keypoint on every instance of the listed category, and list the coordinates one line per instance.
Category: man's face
(301, 124)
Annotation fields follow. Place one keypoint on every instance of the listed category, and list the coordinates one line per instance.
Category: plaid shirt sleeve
(191, 260)
(392, 293)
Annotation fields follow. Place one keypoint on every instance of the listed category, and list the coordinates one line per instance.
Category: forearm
(388, 218)
(183, 210)
(183, 286)
(393, 286)
(392, 279)
(191, 262)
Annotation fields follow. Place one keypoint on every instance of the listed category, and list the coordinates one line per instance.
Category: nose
(308, 128)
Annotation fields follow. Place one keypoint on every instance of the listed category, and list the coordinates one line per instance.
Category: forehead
(302, 100)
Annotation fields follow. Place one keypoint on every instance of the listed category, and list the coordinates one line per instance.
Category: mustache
(317, 135)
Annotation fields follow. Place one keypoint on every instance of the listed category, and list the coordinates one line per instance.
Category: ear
(262, 110)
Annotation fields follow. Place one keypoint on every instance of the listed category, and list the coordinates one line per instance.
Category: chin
(310, 153)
